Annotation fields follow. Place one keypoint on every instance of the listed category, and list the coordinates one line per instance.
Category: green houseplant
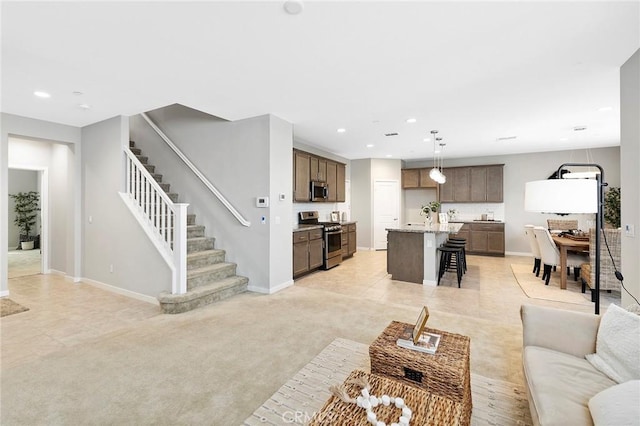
(612, 207)
(26, 209)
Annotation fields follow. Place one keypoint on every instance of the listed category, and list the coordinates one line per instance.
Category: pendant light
(435, 173)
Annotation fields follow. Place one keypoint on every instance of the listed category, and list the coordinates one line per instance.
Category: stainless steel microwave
(319, 191)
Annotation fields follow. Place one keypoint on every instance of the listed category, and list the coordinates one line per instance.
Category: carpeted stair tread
(204, 295)
(203, 276)
(199, 244)
(143, 159)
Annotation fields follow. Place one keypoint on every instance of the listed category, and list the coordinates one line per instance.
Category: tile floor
(63, 314)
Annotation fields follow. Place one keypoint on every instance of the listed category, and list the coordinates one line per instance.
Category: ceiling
(476, 71)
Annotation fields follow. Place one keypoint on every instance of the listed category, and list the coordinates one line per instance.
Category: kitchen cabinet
(486, 238)
(474, 184)
(349, 239)
(307, 251)
(341, 191)
(417, 178)
(309, 167)
(301, 176)
(332, 175)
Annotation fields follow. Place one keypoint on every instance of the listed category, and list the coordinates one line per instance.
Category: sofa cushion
(561, 385)
(617, 345)
(617, 405)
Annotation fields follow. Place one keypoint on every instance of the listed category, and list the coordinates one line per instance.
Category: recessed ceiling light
(426, 140)
(77, 93)
(41, 94)
(579, 128)
(84, 106)
(293, 7)
(605, 109)
(506, 138)
(389, 155)
(564, 139)
(341, 130)
(411, 120)
(370, 145)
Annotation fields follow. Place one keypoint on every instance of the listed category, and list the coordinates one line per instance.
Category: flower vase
(428, 221)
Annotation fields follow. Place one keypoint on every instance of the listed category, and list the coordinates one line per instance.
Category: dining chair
(550, 255)
(533, 245)
(562, 225)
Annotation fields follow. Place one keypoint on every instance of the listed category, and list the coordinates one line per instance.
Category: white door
(386, 210)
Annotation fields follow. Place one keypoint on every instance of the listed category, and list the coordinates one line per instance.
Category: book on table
(428, 342)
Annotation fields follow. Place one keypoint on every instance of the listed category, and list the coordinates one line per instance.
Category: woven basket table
(445, 373)
(428, 409)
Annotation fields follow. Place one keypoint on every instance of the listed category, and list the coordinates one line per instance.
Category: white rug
(494, 402)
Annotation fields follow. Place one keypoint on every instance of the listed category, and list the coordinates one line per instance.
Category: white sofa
(561, 384)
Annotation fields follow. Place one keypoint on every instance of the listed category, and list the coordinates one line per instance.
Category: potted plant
(26, 209)
(612, 207)
(428, 210)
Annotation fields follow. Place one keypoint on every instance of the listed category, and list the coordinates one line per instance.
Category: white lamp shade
(561, 196)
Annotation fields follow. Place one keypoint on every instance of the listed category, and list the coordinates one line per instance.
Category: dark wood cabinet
(486, 238)
(474, 184)
(307, 251)
(332, 175)
(417, 178)
(301, 176)
(341, 192)
(349, 240)
(309, 167)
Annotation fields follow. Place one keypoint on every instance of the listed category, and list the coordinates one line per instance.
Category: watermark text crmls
(300, 417)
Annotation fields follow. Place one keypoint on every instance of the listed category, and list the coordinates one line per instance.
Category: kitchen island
(412, 253)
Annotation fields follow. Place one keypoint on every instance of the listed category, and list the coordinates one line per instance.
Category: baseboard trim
(272, 289)
(121, 291)
(517, 253)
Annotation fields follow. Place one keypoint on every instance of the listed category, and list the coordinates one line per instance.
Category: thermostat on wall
(262, 201)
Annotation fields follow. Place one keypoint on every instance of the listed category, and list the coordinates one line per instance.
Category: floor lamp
(571, 193)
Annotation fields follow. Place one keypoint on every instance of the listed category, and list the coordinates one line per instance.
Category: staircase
(209, 277)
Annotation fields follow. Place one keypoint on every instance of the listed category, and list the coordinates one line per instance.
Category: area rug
(9, 307)
(495, 402)
(535, 288)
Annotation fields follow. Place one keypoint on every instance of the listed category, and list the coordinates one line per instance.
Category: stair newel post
(180, 248)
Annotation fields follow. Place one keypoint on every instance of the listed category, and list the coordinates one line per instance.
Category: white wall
(522, 168)
(116, 251)
(243, 159)
(41, 131)
(630, 159)
(20, 181)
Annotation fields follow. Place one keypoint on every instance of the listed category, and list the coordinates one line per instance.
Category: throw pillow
(617, 345)
(617, 405)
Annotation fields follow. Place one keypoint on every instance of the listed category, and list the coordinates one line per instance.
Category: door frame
(43, 177)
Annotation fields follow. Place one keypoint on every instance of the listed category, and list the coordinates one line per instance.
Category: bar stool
(462, 245)
(446, 257)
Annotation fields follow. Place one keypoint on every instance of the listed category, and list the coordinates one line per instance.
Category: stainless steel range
(332, 238)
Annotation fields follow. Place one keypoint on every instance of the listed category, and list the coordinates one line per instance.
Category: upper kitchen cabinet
(301, 176)
(309, 167)
(474, 184)
(417, 178)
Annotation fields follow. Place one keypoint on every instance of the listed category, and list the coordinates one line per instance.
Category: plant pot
(27, 245)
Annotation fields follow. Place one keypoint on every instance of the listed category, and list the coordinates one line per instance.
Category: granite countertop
(298, 228)
(481, 221)
(347, 222)
(436, 228)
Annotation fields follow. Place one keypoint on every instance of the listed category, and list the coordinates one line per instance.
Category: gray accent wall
(243, 159)
(522, 168)
(630, 159)
(116, 250)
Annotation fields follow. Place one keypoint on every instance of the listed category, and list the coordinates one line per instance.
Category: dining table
(565, 244)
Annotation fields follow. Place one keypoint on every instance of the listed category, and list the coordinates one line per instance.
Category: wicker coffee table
(445, 373)
(428, 409)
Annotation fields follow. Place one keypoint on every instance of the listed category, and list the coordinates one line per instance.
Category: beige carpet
(9, 307)
(494, 402)
(535, 288)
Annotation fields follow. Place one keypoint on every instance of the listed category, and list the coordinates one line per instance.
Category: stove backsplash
(324, 210)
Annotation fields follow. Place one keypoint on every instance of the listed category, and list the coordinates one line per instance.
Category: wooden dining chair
(550, 255)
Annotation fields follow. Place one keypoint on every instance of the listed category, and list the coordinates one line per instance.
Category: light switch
(629, 230)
